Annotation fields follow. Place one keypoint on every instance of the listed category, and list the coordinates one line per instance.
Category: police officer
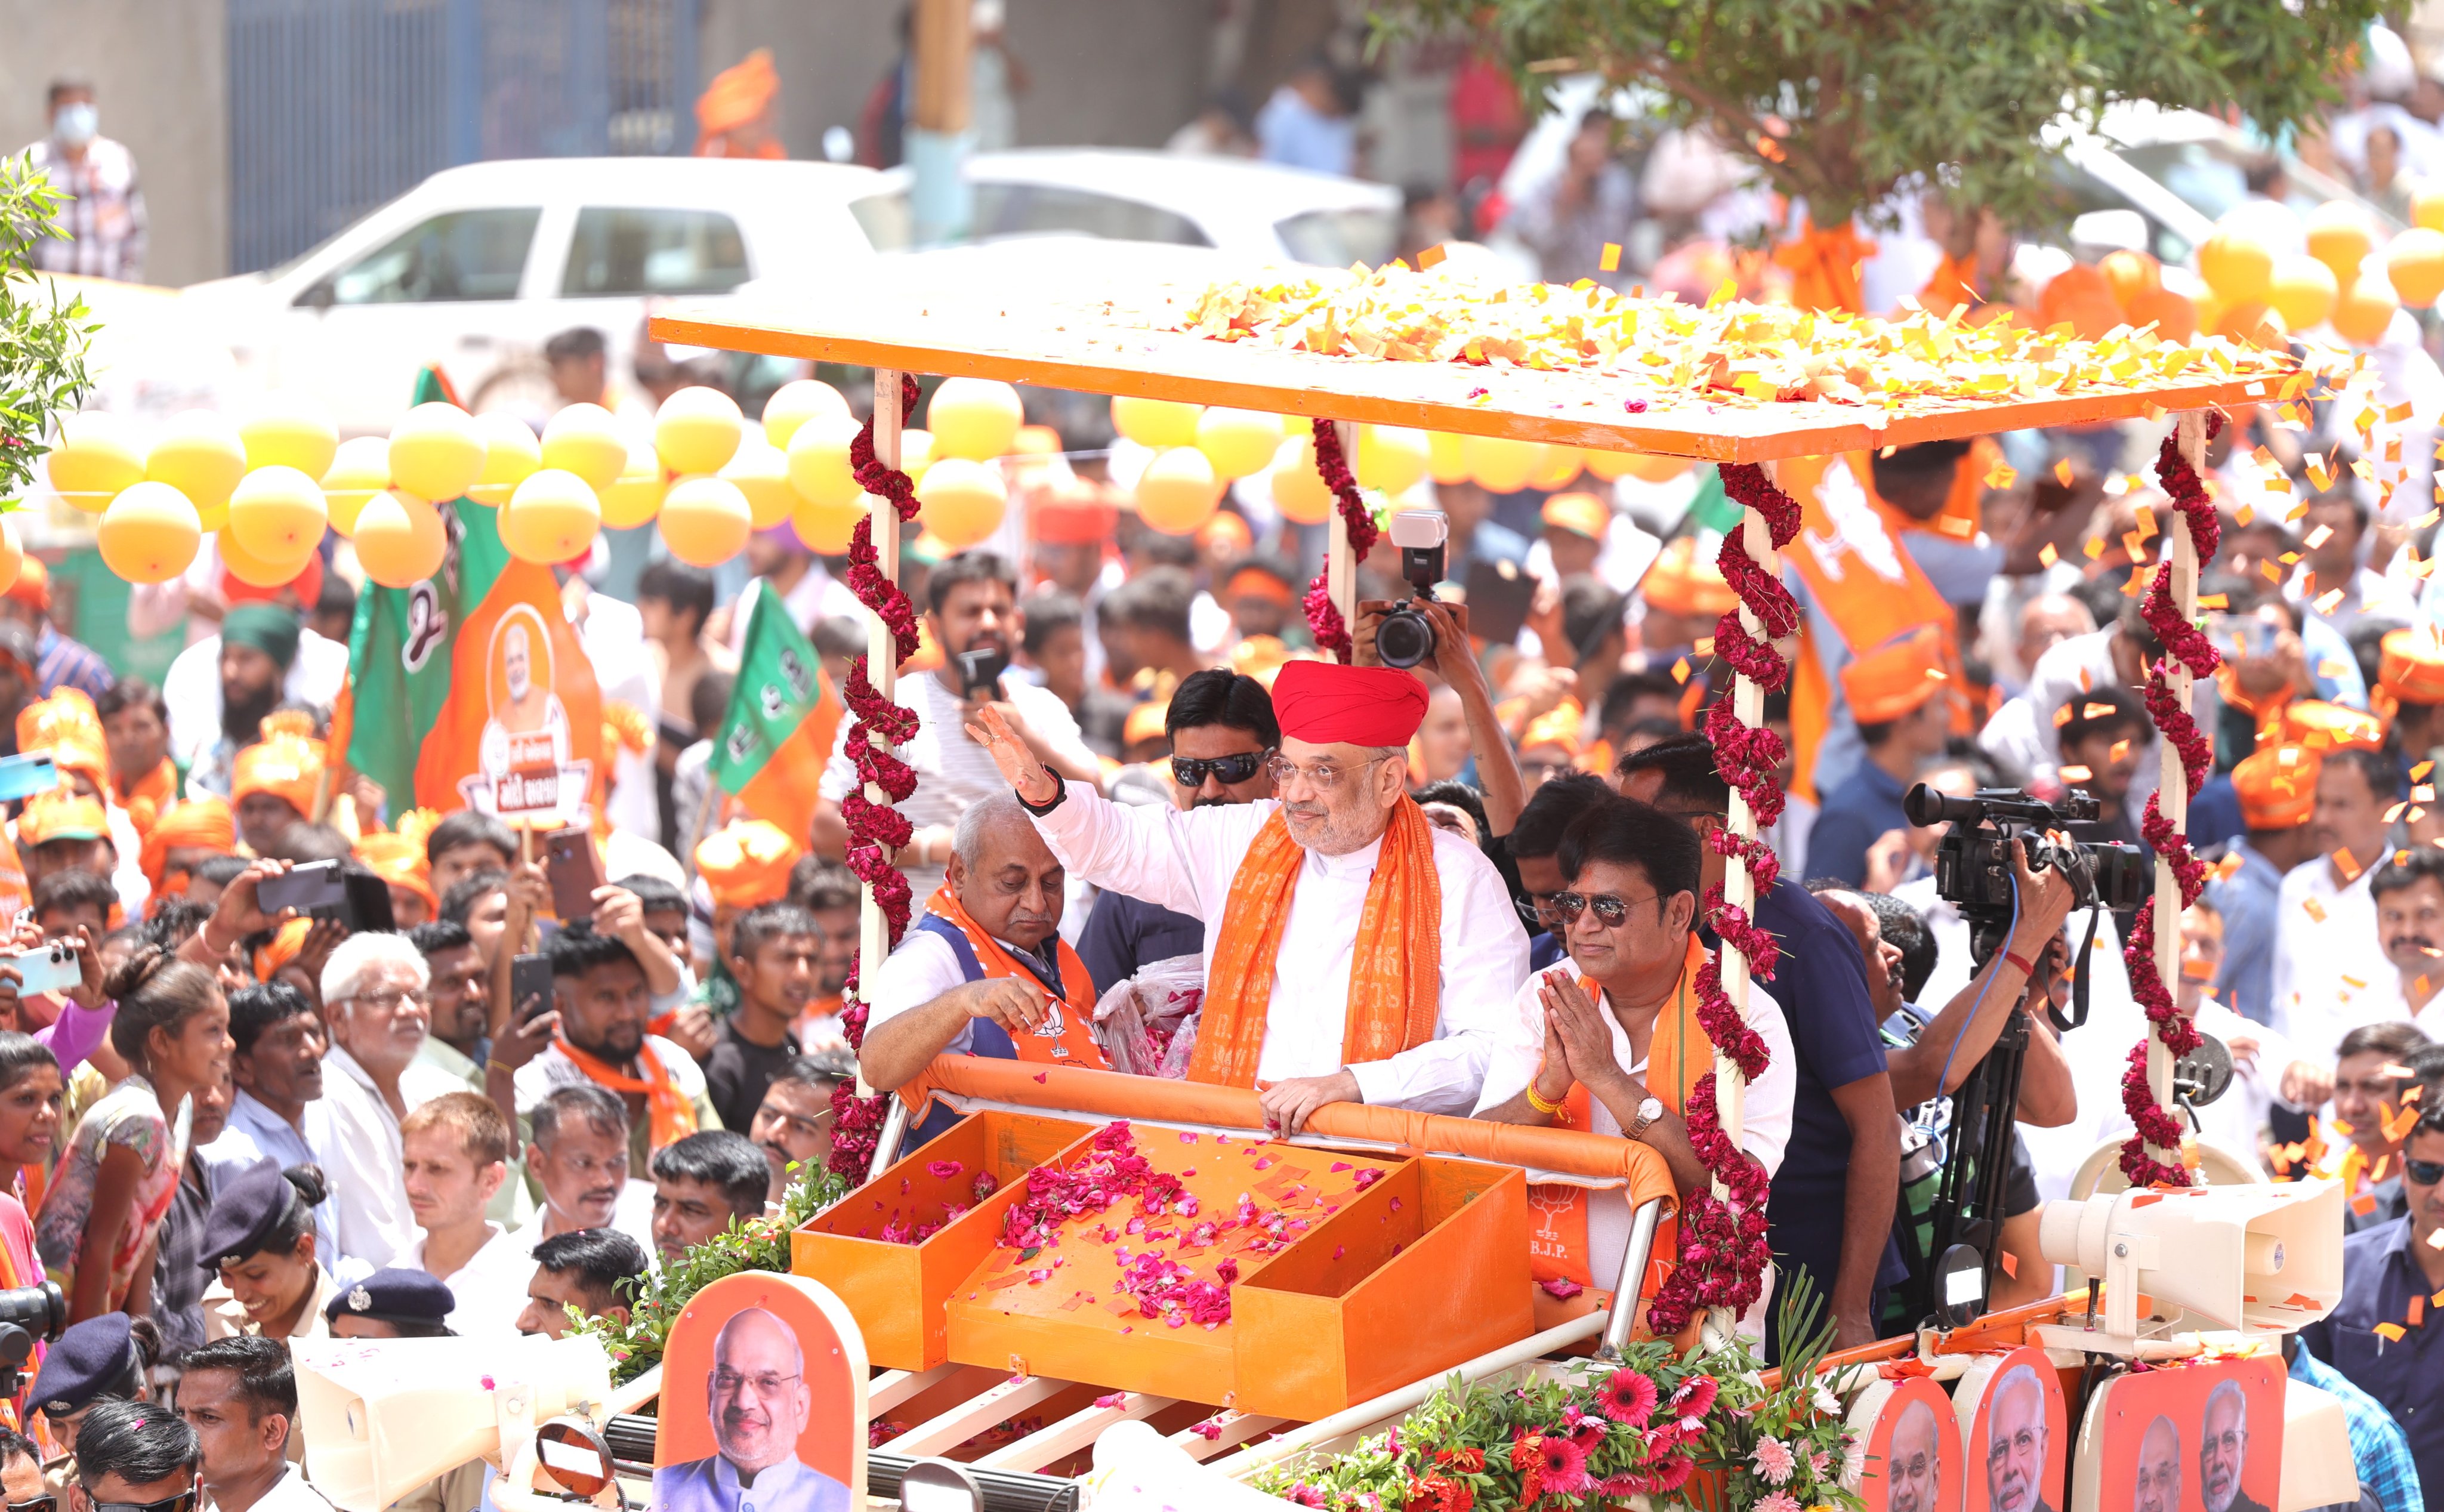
(393, 1303)
(103, 1356)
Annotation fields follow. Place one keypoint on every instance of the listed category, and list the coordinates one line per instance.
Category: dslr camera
(1405, 638)
(1972, 863)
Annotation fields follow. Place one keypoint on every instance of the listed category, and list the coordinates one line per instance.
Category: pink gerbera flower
(1773, 1459)
(1695, 1396)
(1626, 1396)
(1560, 1465)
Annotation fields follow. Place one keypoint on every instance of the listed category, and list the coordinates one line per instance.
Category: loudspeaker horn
(2262, 1260)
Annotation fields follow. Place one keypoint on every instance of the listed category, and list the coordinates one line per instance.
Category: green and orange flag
(470, 690)
(781, 722)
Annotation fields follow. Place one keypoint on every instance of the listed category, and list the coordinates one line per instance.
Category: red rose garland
(1723, 1247)
(1321, 617)
(875, 830)
(2183, 642)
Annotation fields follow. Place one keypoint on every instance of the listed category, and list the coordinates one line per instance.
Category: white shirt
(292, 1493)
(2330, 975)
(2022, 732)
(632, 1214)
(1185, 861)
(2369, 595)
(253, 1134)
(1764, 1113)
(365, 1157)
(191, 689)
(951, 771)
(921, 970)
(488, 1291)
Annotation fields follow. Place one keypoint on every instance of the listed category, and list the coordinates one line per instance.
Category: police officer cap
(394, 1296)
(244, 1214)
(97, 1358)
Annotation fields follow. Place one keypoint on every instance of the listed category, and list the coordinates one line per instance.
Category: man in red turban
(1354, 953)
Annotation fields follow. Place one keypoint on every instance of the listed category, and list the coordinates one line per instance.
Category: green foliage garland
(43, 340)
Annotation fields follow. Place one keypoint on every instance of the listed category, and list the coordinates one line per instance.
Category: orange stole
(669, 1116)
(1395, 974)
(145, 799)
(1075, 1043)
(1681, 1050)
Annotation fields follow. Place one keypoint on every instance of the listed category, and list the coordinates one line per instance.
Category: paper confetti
(2046, 553)
(2391, 1331)
(2316, 910)
(1609, 261)
(2062, 473)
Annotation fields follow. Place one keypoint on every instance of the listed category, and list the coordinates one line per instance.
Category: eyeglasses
(1229, 769)
(1322, 779)
(1612, 909)
(391, 1000)
(2422, 1172)
(763, 1383)
(1543, 904)
(184, 1502)
(40, 1503)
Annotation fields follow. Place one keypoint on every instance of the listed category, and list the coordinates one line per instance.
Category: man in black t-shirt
(772, 952)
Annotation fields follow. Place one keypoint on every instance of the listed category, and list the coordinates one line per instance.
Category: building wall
(160, 71)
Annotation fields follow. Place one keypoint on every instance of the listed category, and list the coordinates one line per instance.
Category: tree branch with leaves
(43, 337)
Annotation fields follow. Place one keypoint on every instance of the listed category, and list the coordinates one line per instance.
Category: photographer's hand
(1361, 634)
(2045, 899)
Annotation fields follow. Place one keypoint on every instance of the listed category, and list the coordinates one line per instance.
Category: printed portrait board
(762, 1386)
(2016, 1428)
(1913, 1461)
(2195, 1436)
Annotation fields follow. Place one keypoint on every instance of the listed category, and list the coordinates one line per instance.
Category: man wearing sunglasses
(136, 1457)
(2385, 1270)
(21, 1475)
(1222, 733)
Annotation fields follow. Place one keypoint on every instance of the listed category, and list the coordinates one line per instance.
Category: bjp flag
(783, 719)
(470, 690)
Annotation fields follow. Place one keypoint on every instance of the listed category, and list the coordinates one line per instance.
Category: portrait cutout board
(2016, 1427)
(796, 1338)
(1913, 1446)
(2144, 1445)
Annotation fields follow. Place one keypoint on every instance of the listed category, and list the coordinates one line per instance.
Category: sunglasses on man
(1611, 909)
(1228, 769)
(2422, 1172)
(184, 1502)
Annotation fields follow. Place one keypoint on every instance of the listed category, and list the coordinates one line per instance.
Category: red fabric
(1328, 704)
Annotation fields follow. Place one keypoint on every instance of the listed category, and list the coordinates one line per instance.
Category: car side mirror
(319, 296)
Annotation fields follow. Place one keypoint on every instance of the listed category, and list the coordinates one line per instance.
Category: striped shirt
(104, 217)
(70, 664)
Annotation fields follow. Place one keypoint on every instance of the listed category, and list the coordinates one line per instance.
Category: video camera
(1972, 862)
(27, 1314)
(1406, 637)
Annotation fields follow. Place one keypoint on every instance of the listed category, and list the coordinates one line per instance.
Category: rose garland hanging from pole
(1333, 467)
(876, 831)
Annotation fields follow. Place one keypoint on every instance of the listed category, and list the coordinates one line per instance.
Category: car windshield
(2211, 177)
(1336, 238)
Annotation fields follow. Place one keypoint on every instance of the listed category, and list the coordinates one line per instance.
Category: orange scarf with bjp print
(1395, 972)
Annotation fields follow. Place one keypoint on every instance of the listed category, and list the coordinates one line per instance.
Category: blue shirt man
(2384, 1269)
(2381, 1454)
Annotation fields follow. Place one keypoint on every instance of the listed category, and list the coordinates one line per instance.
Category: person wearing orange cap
(1260, 592)
(2411, 671)
(2327, 960)
(1900, 696)
(1684, 598)
(185, 838)
(2277, 789)
(398, 861)
(273, 783)
(744, 864)
(1070, 528)
(1390, 948)
(735, 115)
(1576, 526)
(59, 661)
(66, 727)
(61, 830)
(1549, 746)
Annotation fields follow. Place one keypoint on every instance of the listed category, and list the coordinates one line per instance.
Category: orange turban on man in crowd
(734, 116)
(747, 864)
(184, 837)
(1895, 678)
(2277, 787)
(66, 726)
(399, 860)
(287, 763)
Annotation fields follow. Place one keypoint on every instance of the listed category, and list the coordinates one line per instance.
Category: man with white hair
(373, 999)
(759, 1402)
(2016, 1440)
(2223, 1447)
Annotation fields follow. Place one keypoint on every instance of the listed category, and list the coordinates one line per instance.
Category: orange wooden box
(897, 1290)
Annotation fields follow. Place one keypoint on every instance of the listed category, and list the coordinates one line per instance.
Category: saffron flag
(783, 719)
(470, 690)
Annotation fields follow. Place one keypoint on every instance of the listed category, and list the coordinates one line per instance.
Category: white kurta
(2330, 974)
(490, 1291)
(1185, 861)
(365, 1157)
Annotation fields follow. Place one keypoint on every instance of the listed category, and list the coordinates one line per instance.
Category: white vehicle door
(438, 291)
(623, 257)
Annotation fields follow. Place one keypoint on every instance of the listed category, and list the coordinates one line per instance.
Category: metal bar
(1232, 1431)
(1077, 1431)
(1642, 1225)
(887, 1141)
(975, 1414)
(891, 1387)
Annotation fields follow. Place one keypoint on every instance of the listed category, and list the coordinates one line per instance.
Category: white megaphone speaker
(384, 1416)
(1137, 1469)
(2260, 1259)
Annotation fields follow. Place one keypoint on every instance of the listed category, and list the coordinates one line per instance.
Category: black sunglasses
(1612, 909)
(184, 1502)
(40, 1503)
(1236, 768)
(2422, 1172)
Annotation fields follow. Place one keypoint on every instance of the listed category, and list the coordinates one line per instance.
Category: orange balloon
(1178, 491)
(825, 526)
(962, 501)
(149, 533)
(2129, 275)
(2174, 316)
(2427, 208)
(2080, 295)
(12, 554)
(258, 572)
(2363, 312)
(2236, 265)
(706, 519)
(2340, 237)
(400, 538)
(1299, 490)
(2414, 263)
(2302, 291)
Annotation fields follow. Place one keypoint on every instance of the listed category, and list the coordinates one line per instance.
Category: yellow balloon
(400, 538)
(1446, 456)
(149, 534)
(825, 528)
(291, 431)
(1178, 491)
(2237, 265)
(94, 460)
(200, 456)
(961, 500)
(917, 453)
(761, 470)
(1499, 464)
(553, 517)
(2414, 263)
(698, 430)
(12, 553)
(359, 470)
(976, 418)
(2364, 311)
(705, 521)
(1238, 442)
(435, 451)
(1156, 423)
(793, 404)
(2427, 208)
(819, 461)
(2302, 291)
(1299, 490)
(637, 496)
(1558, 469)
(260, 572)
(277, 514)
(2340, 238)
(1390, 458)
(586, 439)
(511, 454)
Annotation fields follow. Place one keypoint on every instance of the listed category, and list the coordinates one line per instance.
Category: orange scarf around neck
(670, 1116)
(1072, 1039)
(1395, 972)
(147, 797)
(1677, 1053)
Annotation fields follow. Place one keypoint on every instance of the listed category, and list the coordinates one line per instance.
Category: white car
(477, 266)
(1249, 211)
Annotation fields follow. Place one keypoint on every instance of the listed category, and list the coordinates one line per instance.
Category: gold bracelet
(1548, 1109)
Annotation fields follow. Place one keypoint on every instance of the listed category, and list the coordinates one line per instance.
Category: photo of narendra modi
(1912, 1460)
(2195, 1436)
(763, 1402)
(2017, 1427)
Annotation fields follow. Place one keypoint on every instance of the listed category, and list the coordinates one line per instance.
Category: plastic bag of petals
(1146, 1025)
